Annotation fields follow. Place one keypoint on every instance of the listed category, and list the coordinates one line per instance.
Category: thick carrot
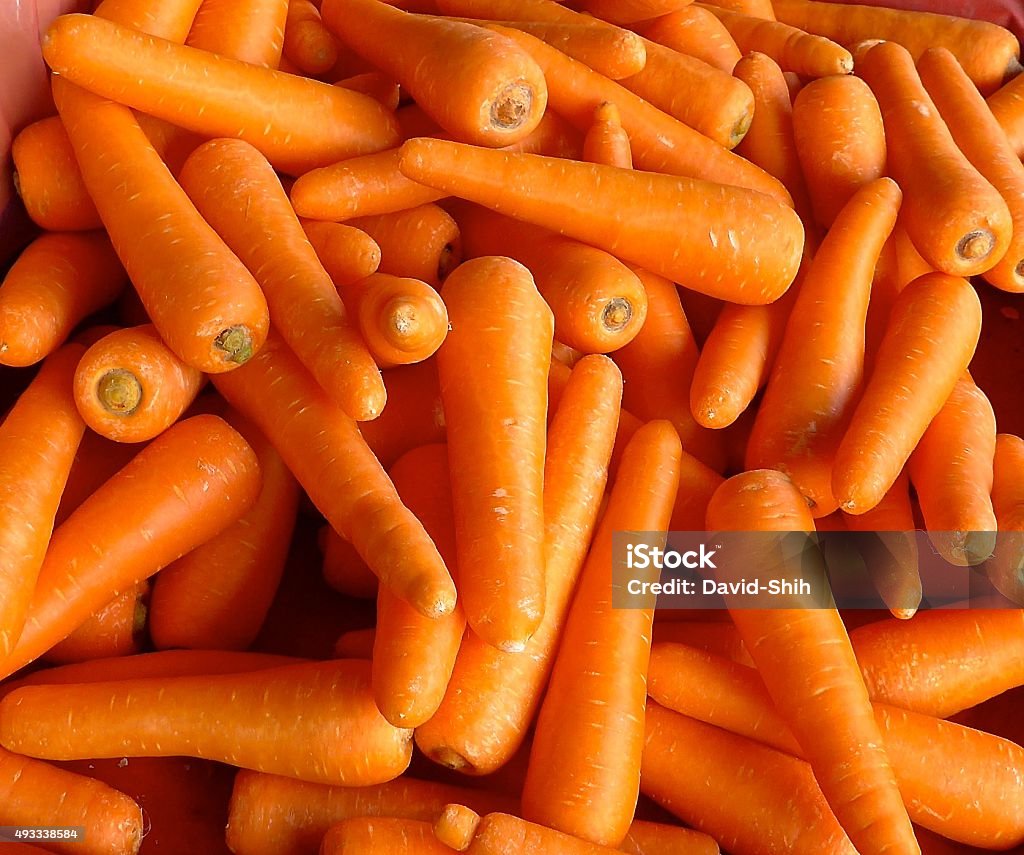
(237, 192)
(248, 30)
(840, 141)
(130, 387)
(35, 793)
(642, 217)
(38, 441)
(598, 303)
(216, 96)
(817, 375)
(471, 81)
(696, 32)
(943, 661)
(1007, 568)
(632, 11)
(56, 282)
(421, 243)
(593, 709)
(308, 44)
(347, 254)
(932, 333)
(979, 136)
(343, 569)
(185, 487)
(368, 835)
(505, 834)
(986, 51)
(658, 838)
(271, 815)
(378, 86)
(606, 141)
(315, 721)
(202, 300)
(114, 630)
(493, 695)
(808, 665)
(750, 798)
(1007, 105)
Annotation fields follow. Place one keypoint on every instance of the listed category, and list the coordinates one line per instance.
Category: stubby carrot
(593, 709)
(347, 254)
(606, 141)
(308, 44)
(493, 695)
(117, 629)
(697, 32)
(130, 387)
(315, 721)
(237, 192)
(214, 95)
(248, 30)
(421, 243)
(38, 441)
(1007, 568)
(932, 333)
(343, 569)
(506, 834)
(56, 282)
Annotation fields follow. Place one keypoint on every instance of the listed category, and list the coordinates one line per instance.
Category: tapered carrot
(271, 815)
(323, 448)
(248, 30)
(806, 660)
(130, 387)
(636, 215)
(593, 709)
(1007, 568)
(978, 135)
(315, 721)
(414, 415)
(817, 375)
(114, 630)
(932, 333)
(343, 569)
(378, 86)
(38, 441)
(598, 303)
(308, 44)
(347, 254)
(493, 695)
(421, 243)
(987, 52)
(56, 282)
(840, 141)
(750, 798)
(632, 11)
(658, 838)
(696, 32)
(1005, 104)
(943, 661)
(35, 793)
(606, 141)
(504, 834)
(213, 95)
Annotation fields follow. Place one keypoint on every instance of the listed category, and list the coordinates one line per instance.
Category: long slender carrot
(840, 141)
(598, 303)
(807, 662)
(114, 630)
(658, 838)
(638, 216)
(696, 32)
(594, 703)
(308, 44)
(1007, 569)
(33, 793)
(38, 442)
(315, 721)
(56, 282)
(271, 815)
(987, 52)
(817, 375)
(248, 30)
(421, 243)
(343, 569)
(347, 254)
(493, 695)
(1005, 104)
(632, 11)
(130, 387)
(235, 189)
(979, 136)
(932, 333)
(413, 656)
(506, 834)
(214, 95)
(186, 486)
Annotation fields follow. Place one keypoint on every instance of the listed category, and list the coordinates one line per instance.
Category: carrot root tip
(975, 245)
(119, 392)
(511, 106)
(236, 344)
(617, 313)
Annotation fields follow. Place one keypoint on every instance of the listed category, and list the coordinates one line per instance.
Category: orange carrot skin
(421, 243)
(697, 32)
(497, 450)
(347, 254)
(1005, 104)
(632, 11)
(325, 707)
(308, 44)
(159, 517)
(365, 835)
(114, 630)
(96, 461)
(505, 834)
(171, 21)
(375, 84)
(656, 838)
(56, 282)
(248, 30)
(38, 441)
(1007, 570)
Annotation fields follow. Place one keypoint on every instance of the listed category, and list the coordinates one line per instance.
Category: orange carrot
(986, 51)
(248, 30)
(421, 243)
(213, 95)
(308, 44)
(658, 838)
(713, 637)
(114, 630)
(378, 86)
(456, 826)
(932, 332)
(817, 374)
(355, 644)
(606, 141)
(594, 703)
(840, 141)
(1005, 104)
(696, 32)
(639, 216)
(235, 189)
(366, 835)
(347, 254)
(343, 569)
(38, 441)
(753, 8)
(493, 695)
(171, 21)
(505, 834)
(56, 282)
(315, 721)
(632, 11)
(323, 448)
(97, 460)
(129, 386)
(1007, 569)
(414, 415)
(33, 792)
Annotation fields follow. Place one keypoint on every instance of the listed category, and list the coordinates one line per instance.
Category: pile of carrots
(352, 334)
